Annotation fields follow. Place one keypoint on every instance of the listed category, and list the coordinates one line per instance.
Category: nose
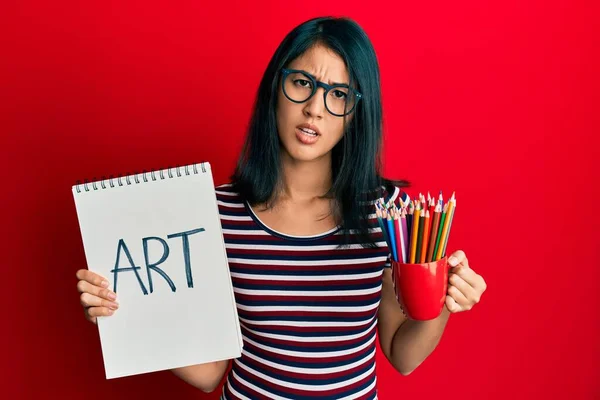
(315, 106)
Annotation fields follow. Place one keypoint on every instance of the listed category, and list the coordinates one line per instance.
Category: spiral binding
(135, 178)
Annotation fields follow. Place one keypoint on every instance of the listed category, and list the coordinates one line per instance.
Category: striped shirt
(307, 309)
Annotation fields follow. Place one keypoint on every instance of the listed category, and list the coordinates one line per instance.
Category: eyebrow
(330, 83)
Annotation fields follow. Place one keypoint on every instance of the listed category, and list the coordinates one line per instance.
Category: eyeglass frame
(315, 86)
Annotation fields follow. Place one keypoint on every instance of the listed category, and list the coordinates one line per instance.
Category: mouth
(306, 136)
(309, 130)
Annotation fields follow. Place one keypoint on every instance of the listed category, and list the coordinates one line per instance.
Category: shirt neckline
(282, 235)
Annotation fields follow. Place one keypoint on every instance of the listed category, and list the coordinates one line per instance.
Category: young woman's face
(327, 67)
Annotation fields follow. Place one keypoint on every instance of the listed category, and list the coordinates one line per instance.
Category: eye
(303, 83)
(338, 94)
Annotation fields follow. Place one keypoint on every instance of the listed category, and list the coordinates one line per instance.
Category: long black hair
(356, 159)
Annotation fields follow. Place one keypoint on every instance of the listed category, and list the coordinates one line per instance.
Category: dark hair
(356, 159)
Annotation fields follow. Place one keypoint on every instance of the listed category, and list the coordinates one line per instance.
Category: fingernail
(104, 284)
(110, 311)
(114, 306)
(112, 296)
(453, 261)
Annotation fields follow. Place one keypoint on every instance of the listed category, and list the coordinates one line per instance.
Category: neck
(305, 180)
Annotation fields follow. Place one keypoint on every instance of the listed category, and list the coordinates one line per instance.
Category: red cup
(421, 288)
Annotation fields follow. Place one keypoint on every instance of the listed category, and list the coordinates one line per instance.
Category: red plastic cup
(421, 288)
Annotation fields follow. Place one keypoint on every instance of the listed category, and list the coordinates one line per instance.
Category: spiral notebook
(157, 238)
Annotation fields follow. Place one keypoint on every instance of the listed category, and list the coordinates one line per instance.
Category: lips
(306, 138)
(309, 129)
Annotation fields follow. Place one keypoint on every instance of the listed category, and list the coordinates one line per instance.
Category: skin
(299, 210)
(306, 169)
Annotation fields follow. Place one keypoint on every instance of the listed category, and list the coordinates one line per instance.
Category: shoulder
(389, 194)
(226, 193)
(224, 187)
(394, 194)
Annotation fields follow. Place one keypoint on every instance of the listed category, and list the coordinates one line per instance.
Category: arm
(205, 377)
(406, 343)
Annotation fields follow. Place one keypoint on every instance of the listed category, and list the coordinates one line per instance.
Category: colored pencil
(439, 233)
(431, 211)
(453, 201)
(444, 230)
(409, 217)
(379, 213)
(414, 233)
(433, 233)
(420, 236)
(405, 234)
(402, 205)
(425, 237)
(390, 227)
(399, 237)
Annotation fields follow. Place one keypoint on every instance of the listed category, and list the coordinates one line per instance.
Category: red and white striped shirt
(307, 309)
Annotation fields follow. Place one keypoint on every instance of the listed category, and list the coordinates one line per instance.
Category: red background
(506, 95)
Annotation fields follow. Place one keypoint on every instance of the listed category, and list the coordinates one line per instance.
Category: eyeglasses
(299, 86)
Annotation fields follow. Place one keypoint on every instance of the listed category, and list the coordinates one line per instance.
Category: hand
(97, 300)
(465, 287)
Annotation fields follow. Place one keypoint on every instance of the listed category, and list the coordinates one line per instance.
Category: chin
(305, 154)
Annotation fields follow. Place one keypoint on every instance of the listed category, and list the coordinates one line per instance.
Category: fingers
(85, 287)
(92, 313)
(91, 277)
(93, 320)
(89, 300)
(465, 286)
(469, 276)
(458, 257)
(452, 305)
(96, 299)
(99, 312)
(461, 287)
(472, 278)
(458, 260)
(457, 295)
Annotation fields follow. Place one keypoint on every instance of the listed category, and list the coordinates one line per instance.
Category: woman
(310, 276)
